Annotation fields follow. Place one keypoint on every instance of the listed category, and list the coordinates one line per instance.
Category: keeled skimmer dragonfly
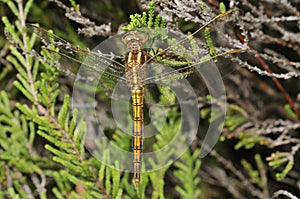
(134, 70)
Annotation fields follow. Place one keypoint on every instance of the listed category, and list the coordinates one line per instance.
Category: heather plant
(43, 153)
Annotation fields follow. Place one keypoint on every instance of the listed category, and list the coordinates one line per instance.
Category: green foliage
(259, 176)
(63, 130)
(65, 134)
(222, 7)
(250, 139)
(140, 21)
(290, 111)
(42, 139)
(187, 172)
(235, 117)
(16, 135)
(279, 160)
(75, 5)
(212, 51)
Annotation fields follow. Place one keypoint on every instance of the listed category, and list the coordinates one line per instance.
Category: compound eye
(134, 36)
(126, 38)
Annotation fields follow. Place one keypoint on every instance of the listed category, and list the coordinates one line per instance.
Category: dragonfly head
(134, 40)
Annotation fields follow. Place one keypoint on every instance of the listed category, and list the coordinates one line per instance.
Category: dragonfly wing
(182, 54)
(167, 75)
(169, 66)
(92, 63)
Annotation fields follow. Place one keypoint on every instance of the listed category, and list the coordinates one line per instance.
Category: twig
(277, 83)
(285, 193)
(244, 181)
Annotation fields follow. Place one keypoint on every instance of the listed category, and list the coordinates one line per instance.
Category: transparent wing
(184, 55)
(184, 68)
(106, 64)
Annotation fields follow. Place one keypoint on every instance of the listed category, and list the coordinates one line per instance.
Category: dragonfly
(133, 70)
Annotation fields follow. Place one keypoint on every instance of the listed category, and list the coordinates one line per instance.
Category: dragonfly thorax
(135, 71)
